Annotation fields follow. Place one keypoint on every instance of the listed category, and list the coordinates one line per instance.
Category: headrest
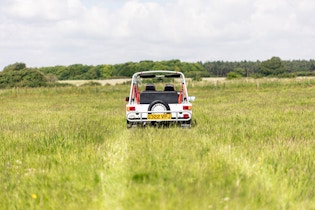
(150, 87)
(169, 87)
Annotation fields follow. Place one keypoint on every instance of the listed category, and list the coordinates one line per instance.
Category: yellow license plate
(159, 116)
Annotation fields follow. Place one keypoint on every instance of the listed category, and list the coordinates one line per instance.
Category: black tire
(160, 104)
(130, 124)
(186, 124)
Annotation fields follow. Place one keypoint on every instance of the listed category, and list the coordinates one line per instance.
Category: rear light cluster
(131, 108)
(187, 107)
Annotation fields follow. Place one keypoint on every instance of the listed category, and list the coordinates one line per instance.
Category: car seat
(150, 87)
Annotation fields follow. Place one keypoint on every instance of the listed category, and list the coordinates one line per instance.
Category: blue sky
(64, 32)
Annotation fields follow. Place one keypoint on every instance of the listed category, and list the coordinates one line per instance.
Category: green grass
(68, 148)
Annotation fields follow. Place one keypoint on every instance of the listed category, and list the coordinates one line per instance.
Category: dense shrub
(287, 75)
(233, 75)
(22, 78)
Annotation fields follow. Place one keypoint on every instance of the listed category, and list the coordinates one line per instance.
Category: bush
(22, 78)
(256, 76)
(305, 74)
(233, 75)
(287, 75)
(14, 67)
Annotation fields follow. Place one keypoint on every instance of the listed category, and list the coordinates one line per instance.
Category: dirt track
(102, 82)
(121, 81)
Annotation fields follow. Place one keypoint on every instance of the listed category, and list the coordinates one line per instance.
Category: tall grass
(68, 148)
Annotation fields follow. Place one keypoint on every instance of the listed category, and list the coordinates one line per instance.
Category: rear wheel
(186, 124)
(131, 124)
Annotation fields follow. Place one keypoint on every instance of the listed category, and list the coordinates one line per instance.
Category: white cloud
(63, 32)
(46, 10)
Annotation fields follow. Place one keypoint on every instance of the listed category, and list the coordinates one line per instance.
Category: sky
(93, 32)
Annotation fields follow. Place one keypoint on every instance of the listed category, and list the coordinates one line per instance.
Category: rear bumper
(177, 116)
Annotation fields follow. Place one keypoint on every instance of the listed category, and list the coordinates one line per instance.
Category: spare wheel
(158, 105)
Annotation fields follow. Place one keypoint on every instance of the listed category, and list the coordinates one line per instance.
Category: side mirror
(127, 99)
(191, 98)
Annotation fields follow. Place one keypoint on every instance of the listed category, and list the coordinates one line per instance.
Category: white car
(158, 97)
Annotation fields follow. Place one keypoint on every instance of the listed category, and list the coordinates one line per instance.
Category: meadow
(252, 147)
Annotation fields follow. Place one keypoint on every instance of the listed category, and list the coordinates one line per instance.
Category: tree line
(271, 67)
(18, 74)
(274, 67)
(87, 72)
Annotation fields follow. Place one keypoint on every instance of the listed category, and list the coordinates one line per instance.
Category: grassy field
(68, 148)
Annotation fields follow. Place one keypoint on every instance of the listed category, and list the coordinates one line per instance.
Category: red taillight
(187, 107)
(131, 108)
(186, 116)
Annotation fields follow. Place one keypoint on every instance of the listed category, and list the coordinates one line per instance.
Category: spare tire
(159, 105)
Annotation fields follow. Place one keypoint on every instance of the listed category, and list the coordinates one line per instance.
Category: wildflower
(34, 196)
(226, 199)
(18, 162)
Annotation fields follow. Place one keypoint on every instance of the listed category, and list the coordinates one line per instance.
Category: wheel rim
(158, 107)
